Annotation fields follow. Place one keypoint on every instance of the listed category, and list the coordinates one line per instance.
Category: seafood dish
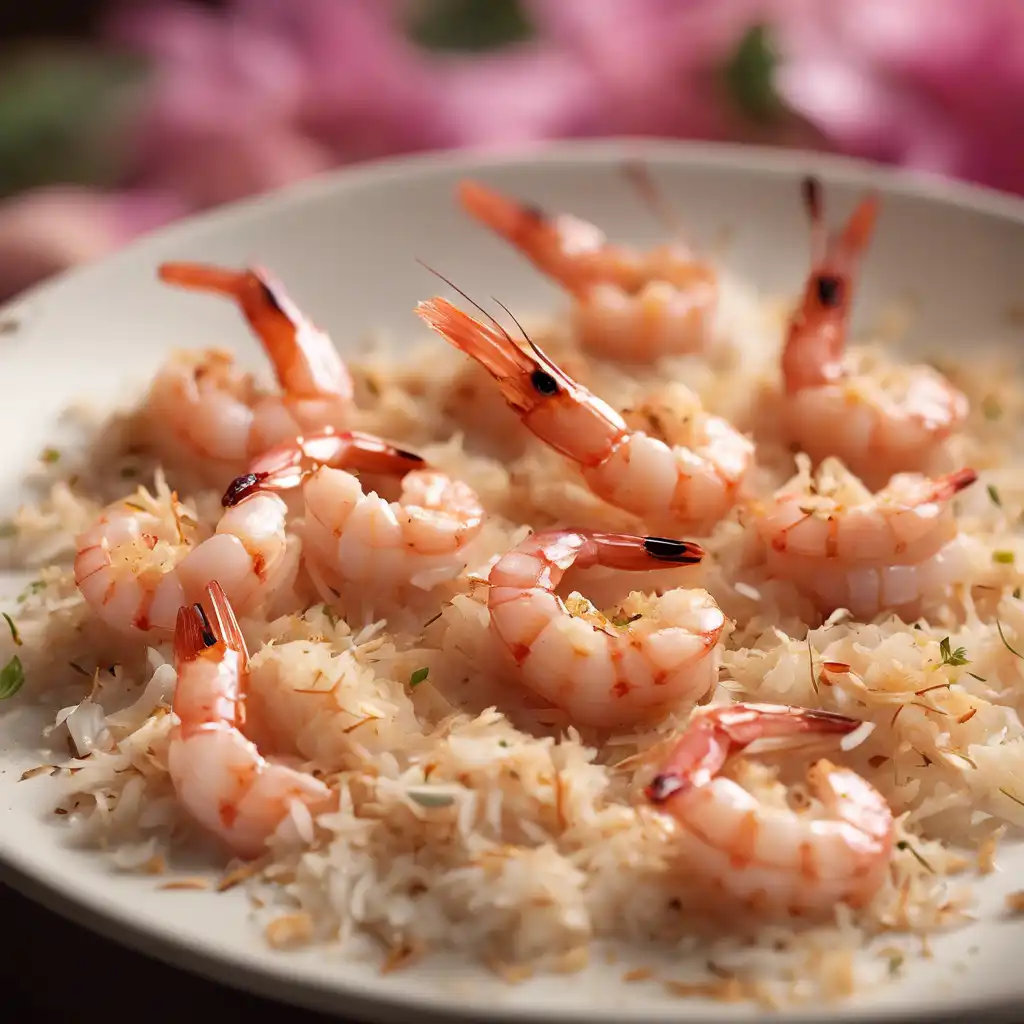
(679, 617)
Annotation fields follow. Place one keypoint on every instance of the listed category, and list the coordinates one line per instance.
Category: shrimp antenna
(537, 350)
(638, 174)
(472, 302)
(810, 189)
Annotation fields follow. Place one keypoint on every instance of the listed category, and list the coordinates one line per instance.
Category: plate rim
(277, 982)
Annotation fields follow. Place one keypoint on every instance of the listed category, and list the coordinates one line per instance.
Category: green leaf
(418, 677)
(12, 678)
(64, 115)
(750, 75)
(469, 25)
(15, 635)
(955, 658)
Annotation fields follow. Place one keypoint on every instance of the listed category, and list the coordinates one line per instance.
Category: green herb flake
(981, 679)
(955, 658)
(994, 496)
(895, 963)
(622, 621)
(15, 635)
(990, 408)
(1010, 796)
(1016, 593)
(12, 678)
(502, 743)
(49, 456)
(418, 677)
(7, 529)
(331, 617)
(1003, 557)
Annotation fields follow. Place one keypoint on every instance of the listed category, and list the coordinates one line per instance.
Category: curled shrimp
(686, 487)
(773, 860)
(627, 305)
(358, 537)
(205, 410)
(219, 776)
(145, 556)
(600, 673)
(845, 547)
(879, 419)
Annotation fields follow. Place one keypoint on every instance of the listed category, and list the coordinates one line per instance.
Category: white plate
(345, 244)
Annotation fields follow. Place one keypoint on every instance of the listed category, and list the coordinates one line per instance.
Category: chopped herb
(331, 617)
(990, 407)
(957, 657)
(810, 661)
(981, 679)
(1010, 796)
(418, 677)
(502, 743)
(425, 798)
(1016, 593)
(12, 678)
(431, 621)
(1003, 557)
(895, 963)
(81, 671)
(49, 456)
(1006, 643)
(623, 621)
(15, 635)
(904, 845)
(7, 529)
(993, 496)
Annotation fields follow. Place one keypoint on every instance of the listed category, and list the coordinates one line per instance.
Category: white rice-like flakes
(470, 814)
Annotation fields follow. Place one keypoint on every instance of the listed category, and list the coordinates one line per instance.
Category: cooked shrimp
(145, 556)
(219, 776)
(627, 305)
(774, 860)
(845, 547)
(358, 537)
(686, 487)
(601, 673)
(205, 410)
(879, 420)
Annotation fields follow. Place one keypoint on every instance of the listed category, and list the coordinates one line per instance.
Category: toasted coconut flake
(289, 931)
(572, 961)
(237, 875)
(186, 883)
(638, 974)
(43, 769)
(987, 851)
(511, 974)
(1015, 902)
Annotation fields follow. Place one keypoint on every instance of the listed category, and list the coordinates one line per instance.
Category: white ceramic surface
(345, 244)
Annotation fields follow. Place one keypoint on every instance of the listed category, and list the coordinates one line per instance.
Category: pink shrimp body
(628, 305)
(771, 859)
(684, 488)
(845, 547)
(602, 674)
(878, 420)
(201, 405)
(358, 537)
(219, 776)
(145, 556)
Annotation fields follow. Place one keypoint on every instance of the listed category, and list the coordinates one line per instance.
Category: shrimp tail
(195, 631)
(724, 732)
(235, 284)
(953, 483)
(189, 637)
(225, 623)
(625, 551)
(518, 223)
(286, 466)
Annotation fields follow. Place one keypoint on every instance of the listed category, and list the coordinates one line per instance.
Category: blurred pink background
(141, 112)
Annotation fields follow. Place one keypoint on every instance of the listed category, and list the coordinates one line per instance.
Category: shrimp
(358, 537)
(145, 556)
(845, 547)
(772, 859)
(878, 420)
(628, 305)
(205, 410)
(686, 487)
(601, 673)
(219, 776)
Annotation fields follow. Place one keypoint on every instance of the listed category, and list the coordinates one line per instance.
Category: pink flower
(932, 84)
